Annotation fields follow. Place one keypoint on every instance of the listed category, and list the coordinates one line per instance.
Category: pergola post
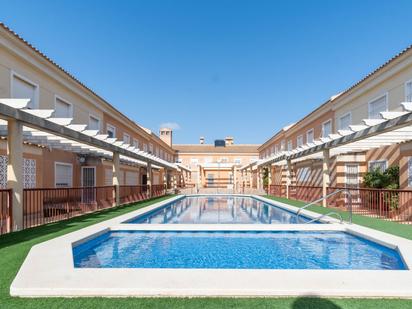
(251, 178)
(288, 176)
(259, 178)
(174, 179)
(165, 179)
(234, 179)
(15, 171)
(269, 177)
(325, 175)
(199, 178)
(116, 177)
(149, 179)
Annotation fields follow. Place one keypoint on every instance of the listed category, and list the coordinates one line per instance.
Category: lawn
(14, 248)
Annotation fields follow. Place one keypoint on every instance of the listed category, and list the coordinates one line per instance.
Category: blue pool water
(234, 250)
(219, 209)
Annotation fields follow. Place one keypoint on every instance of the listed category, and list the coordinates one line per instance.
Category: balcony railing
(5, 211)
(392, 205)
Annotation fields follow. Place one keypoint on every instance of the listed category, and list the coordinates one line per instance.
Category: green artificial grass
(402, 230)
(15, 246)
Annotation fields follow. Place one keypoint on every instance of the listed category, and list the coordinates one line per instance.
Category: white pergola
(20, 124)
(389, 128)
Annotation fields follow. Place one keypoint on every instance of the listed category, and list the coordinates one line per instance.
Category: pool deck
(48, 269)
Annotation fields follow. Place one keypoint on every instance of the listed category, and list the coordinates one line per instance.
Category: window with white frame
(111, 131)
(150, 148)
(408, 91)
(299, 141)
(194, 161)
(224, 160)
(282, 145)
(63, 175)
(126, 138)
(309, 136)
(345, 121)
(136, 143)
(238, 161)
(376, 106)
(326, 128)
(273, 150)
(290, 145)
(22, 88)
(94, 123)
(145, 147)
(378, 165)
(62, 108)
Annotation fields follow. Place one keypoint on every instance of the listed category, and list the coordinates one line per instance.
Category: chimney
(229, 140)
(201, 140)
(166, 135)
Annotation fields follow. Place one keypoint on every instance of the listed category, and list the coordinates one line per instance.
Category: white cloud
(170, 125)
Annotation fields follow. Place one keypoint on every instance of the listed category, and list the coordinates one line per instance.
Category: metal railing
(332, 212)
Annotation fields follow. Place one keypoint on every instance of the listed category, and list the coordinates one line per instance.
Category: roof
(209, 148)
(71, 76)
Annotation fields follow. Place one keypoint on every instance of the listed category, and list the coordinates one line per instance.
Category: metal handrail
(325, 197)
(325, 215)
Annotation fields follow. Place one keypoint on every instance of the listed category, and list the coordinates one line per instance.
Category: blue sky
(215, 68)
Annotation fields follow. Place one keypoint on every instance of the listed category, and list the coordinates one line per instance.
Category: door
(88, 182)
(352, 181)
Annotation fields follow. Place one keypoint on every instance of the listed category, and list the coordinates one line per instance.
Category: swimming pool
(235, 250)
(219, 210)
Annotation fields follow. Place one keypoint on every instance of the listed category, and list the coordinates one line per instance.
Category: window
(62, 109)
(303, 174)
(210, 179)
(378, 164)
(282, 145)
(276, 149)
(131, 178)
(299, 141)
(94, 123)
(111, 131)
(326, 128)
(290, 145)
(63, 175)
(309, 136)
(108, 176)
(224, 160)
(273, 150)
(22, 88)
(408, 91)
(238, 161)
(136, 143)
(377, 106)
(345, 121)
(145, 147)
(194, 160)
(150, 148)
(126, 138)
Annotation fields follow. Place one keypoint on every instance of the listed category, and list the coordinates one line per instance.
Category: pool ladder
(329, 213)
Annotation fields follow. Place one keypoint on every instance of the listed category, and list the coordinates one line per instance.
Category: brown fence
(41, 206)
(158, 190)
(277, 190)
(5, 211)
(305, 193)
(130, 194)
(392, 205)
